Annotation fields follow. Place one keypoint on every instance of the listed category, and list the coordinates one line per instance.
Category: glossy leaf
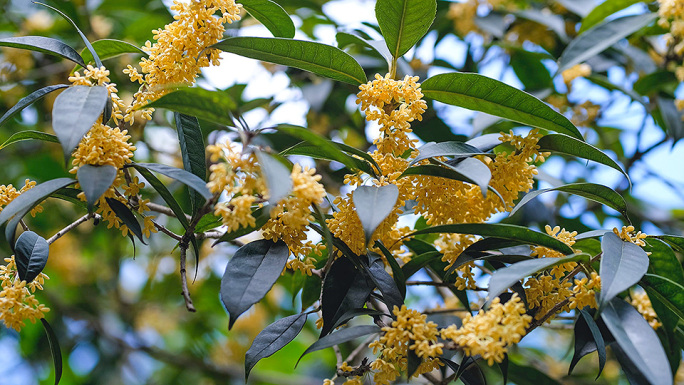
(622, 265)
(214, 106)
(404, 22)
(504, 231)
(588, 339)
(273, 338)
(603, 10)
(250, 274)
(344, 288)
(321, 59)
(27, 101)
(600, 37)
(56, 352)
(29, 135)
(340, 336)
(464, 173)
(373, 204)
(420, 261)
(272, 16)
(389, 289)
(192, 151)
(110, 48)
(480, 93)
(74, 113)
(455, 149)
(126, 216)
(570, 146)
(278, 179)
(595, 192)
(95, 181)
(96, 58)
(31, 254)
(317, 152)
(667, 299)
(638, 340)
(504, 278)
(190, 180)
(45, 45)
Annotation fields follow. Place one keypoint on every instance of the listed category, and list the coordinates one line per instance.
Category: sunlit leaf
(404, 22)
(192, 151)
(272, 16)
(214, 106)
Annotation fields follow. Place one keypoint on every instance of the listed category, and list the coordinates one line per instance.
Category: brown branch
(184, 278)
(71, 226)
(164, 210)
(167, 231)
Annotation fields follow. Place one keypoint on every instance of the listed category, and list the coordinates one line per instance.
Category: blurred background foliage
(117, 310)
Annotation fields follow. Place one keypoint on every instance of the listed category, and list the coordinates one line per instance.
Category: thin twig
(167, 231)
(23, 224)
(184, 279)
(360, 348)
(70, 227)
(164, 210)
(338, 355)
(211, 234)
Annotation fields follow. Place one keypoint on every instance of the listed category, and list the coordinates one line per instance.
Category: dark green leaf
(588, 339)
(31, 252)
(278, 179)
(344, 288)
(28, 135)
(397, 273)
(340, 336)
(110, 48)
(373, 204)
(504, 278)
(532, 73)
(74, 113)
(622, 265)
(391, 294)
(126, 216)
(311, 291)
(272, 16)
(672, 118)
(657, 81)
(673, 240)
(317, 152)
(272, 339)
(418, 262)
(404, 22)
(603, 10)
(353, 313)
(600, 37)
(192, 152)
(345, 39)
(413, 361)
(95, 181)
(214, 106)
(596, 192)
(27, 101)
(321, 59)
(480, 93)
(570, 146)
(43, 44)
(54, 349)
(638, 340)
(504, 231)
(250, 274)
(455, 149)
(185, 177)
(528, 375)
(26, 201)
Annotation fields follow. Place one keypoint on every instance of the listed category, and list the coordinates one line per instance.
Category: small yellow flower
(17, 303)
(642, 303)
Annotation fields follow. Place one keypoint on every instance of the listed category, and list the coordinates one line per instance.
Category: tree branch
(72, 226)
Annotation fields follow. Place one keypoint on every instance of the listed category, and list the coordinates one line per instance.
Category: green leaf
(272, 16)
(345, 288)
(638, 340)
(603, 10)
(622, 265)
(109, 48)
(588, 339)
(499, 230)
(418, 262)
(28, 135)
(272, 339)
(95, 181)
(317, 152)
(389, 289)
(250, 274)
(456, 149)
(208, 222)
(345, 39)
(321, 59)
(595, 192)
(662, 80)
(26, 201)
(190, 180)
(504, 278)
(469, 170)
(43, 44)
(54, 349)
(74, 113)
(667, 298)
(27, 101)
(31, 251)
(339, 337)
(600, 37)
(404, 22)
(672, 118)
(397, 272)
(528, 375)
(532, 73)
(278, 177)
(480, 93)
(126, 216)
(373, 204)
(192, 152)
(353, 313)
(214, 106)
(570, 146)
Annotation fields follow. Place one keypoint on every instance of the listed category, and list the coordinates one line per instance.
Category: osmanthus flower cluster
(671, 14)
(8, 193)
(17, 301)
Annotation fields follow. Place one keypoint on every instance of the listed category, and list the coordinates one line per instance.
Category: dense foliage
(393, 236)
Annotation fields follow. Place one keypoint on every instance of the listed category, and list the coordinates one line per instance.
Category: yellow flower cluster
(17, 301)
(643, 304)
(410, 331)
(174, 59)
(8, 193)
(627, 234)
(671, 14)
(239, 177)
(489, 333)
